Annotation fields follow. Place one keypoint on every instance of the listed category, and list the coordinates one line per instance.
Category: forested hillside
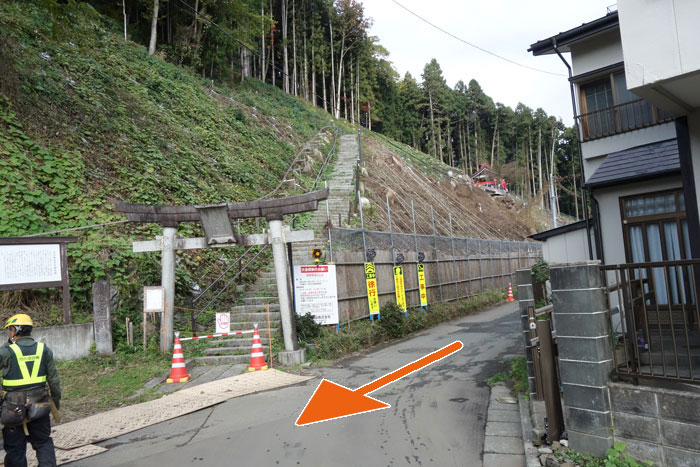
(322, 51)
(87, 119)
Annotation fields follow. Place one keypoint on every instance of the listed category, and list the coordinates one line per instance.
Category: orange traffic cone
(178, 372)
(257, 358)
(510, 293)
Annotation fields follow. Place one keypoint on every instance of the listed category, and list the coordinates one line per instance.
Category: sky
(504, 27)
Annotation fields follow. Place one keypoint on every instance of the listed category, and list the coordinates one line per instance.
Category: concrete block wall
(69, 342)
(585, 356)
(656, 424)
(525, 299)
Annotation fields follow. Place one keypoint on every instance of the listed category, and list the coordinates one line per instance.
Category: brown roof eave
(564, 39)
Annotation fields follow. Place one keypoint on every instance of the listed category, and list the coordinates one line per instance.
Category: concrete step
(240, 341)
(223, 359)
(255, 308)
(228, 351)
(259, 300)
(254, 317)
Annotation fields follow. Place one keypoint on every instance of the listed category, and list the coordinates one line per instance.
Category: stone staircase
(341, 188)
(226, 354)
(236, 349)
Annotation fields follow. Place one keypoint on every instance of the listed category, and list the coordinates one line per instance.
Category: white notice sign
(223, 322)
(21, 264)
(316, 292)
(153, 299)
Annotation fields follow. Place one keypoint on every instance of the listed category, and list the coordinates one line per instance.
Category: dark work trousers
(15, 443)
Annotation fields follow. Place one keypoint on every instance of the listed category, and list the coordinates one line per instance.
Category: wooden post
(66, 288)
(552, 397)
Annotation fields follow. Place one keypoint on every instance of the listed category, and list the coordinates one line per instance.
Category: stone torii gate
(216, 219)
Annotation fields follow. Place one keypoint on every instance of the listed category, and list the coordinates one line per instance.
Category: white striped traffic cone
(257, 358)
(178, 372)
(510, 293)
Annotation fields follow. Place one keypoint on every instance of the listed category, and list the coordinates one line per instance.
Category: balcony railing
(654, 319)
(620, 118)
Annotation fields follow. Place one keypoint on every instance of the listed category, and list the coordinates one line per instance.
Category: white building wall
(694, 130)
(611, 217)
(597, 52)
(569, 247)
(660, 39)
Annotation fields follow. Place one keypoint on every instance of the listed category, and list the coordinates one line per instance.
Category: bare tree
(539, 164)
(294, 51)
(124, 13)
(154, 29)
(263, 69)
(285, 57)
(352, 26)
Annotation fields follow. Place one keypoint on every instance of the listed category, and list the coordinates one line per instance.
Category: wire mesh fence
(455, 267)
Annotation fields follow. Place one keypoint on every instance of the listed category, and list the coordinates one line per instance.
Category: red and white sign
(223, 322)
(316, 292)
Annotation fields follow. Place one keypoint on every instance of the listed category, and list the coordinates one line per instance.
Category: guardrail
(620, 118)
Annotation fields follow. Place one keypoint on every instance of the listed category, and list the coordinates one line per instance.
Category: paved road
(437, 415)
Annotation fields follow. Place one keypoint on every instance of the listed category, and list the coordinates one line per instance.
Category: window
(608, 108)
(656, 229)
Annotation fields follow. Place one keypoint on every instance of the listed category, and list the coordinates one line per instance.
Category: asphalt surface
(437, 415)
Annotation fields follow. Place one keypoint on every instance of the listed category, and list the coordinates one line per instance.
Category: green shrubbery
(87, 119)
(332, 343)
(614, 457)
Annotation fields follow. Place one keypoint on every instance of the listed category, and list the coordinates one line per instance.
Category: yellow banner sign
(372, 295)
(400, 288)
(422, 292)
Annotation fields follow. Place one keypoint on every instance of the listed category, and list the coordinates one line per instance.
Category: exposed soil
(474, 213)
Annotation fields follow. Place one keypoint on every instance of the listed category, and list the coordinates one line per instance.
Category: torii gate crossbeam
(273, 210)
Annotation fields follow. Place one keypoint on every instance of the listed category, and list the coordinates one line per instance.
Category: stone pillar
(291, 354)
(585, 356)
(524, 279)
(101, 317)
(168, 283)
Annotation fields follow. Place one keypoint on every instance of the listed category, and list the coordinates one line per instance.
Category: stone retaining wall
(656, 424)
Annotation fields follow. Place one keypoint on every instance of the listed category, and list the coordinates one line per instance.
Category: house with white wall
(634, 75)
(631, 161)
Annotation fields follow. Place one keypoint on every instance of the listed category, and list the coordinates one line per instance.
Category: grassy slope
(87, 118)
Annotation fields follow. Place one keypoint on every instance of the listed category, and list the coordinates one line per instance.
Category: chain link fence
(455, 267)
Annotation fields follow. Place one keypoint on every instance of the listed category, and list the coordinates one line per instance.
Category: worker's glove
(57, 402)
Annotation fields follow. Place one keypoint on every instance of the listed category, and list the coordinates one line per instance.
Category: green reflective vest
(19, 377)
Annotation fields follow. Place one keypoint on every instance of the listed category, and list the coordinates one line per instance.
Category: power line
(474, 45)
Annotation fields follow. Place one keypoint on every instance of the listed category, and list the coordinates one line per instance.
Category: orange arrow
(331, 400)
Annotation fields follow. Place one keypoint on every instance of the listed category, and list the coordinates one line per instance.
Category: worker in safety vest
(27, 366)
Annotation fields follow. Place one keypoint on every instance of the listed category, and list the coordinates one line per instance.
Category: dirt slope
(407, 175)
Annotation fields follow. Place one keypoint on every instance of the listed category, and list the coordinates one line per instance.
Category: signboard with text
(372, 294)
(422, 292)
(29, 264)
(316, 292)
(36, 263)
(400, 288)
(154, 299)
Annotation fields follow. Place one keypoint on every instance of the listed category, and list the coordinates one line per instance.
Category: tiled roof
(636, 164)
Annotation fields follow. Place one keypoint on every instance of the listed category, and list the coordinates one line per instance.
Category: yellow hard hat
(19, 320)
